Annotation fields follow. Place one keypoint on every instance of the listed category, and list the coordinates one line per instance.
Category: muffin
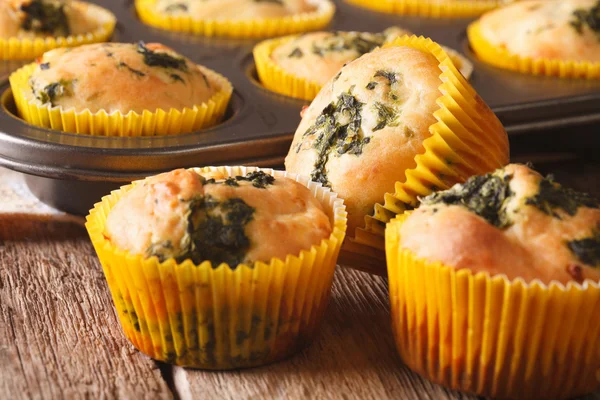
(547, 37)
(494, 285)
(174, 245)
(236, 18)
(233, 10)
(142, 79)
(431, 8)
(371, 123)
(299, 65)
(58, 22)
(238, 220)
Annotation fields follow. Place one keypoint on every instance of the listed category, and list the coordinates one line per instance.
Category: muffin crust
(236, 220)
(512, 222)
(43, 18)
(318, 56)
(234, 10)
(552, 29)
(119, 77)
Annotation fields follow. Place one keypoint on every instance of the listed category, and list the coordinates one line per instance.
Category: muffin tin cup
(241, 29)
(502, 58)
(433, 9)
(460, 146)
(28, 49)
(276, 79)
(221, 317)
(489, 335)
(149, 123)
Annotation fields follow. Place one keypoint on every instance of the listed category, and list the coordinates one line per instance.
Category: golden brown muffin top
(554, 29)
(234, 10)
(365, 127)
(42, 18)
(182, 215)
(513, 222)
(120, 77)
(318, 56)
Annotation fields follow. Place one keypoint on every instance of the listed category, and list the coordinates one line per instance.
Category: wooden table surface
(60, 337)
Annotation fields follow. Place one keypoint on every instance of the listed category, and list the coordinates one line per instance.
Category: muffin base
(221, 318)
(502, 58)
(243, 29)
(28, 49)
(434, 9)
(489, 335)
(149, 123)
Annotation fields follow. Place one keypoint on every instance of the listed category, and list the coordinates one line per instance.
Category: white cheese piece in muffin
(234, 10)
(119, 77)
(42, 18)
(552, 29)
(512, 222)
(367, 124)
(236, 220)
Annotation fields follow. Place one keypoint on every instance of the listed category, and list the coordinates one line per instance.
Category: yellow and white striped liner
(460, 146)
(431, 8)
(149, 123)
(491, 336)
(221, 317)
(28, 49)
(243, 29)
(502, 58)
(278, 80)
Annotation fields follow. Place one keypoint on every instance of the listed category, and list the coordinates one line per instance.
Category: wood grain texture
(59, 334)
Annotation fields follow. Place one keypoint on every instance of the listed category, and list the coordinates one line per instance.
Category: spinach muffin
(119, 77)
(219, 267)
(513, 222)
(234, 220)
(566, 30)
(495, 287)
(43, 18)
(366, 126)
(233, 10)
(319, 56)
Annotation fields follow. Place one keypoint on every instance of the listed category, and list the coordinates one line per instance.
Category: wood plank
(59, 334)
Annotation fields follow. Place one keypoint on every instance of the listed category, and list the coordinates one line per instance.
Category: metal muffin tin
(71, 171)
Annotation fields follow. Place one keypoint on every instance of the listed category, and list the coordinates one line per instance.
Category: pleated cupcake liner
(502, 58)
(29, 48)
(278, 80)
(459, 147)
(160, 122)
(242, 29)
(219, 317)
(492, 336)
(430, 8)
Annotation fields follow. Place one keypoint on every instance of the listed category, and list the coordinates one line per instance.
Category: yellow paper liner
(148, 123)
(278, 80)
(221, 318)
(27, 48)
(462, 144)
(502, 58)
(430, 8)
(491, 336)
(256, 28)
